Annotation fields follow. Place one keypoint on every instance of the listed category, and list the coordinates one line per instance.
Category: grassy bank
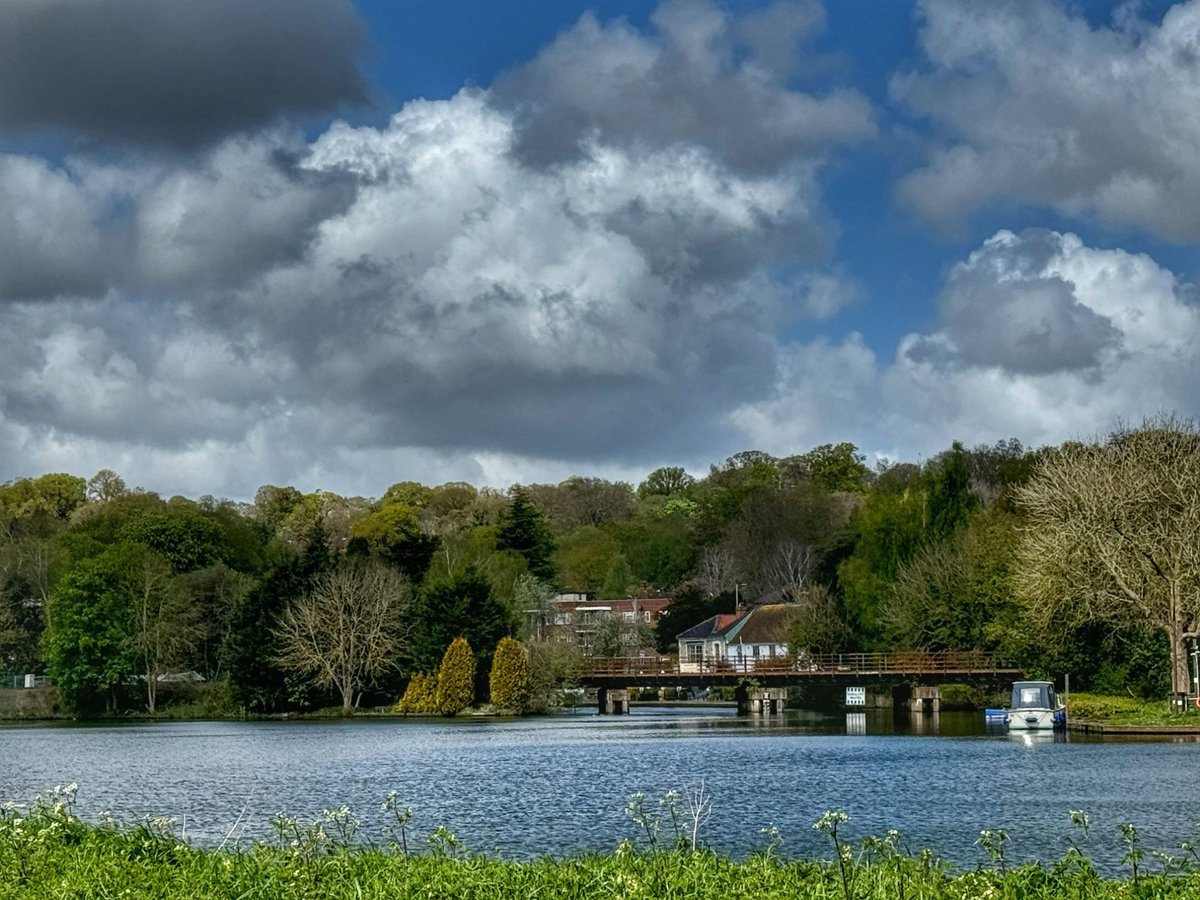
(1107, 710)
(46, 851)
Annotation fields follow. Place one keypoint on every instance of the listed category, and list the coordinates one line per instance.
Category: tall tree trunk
(1180, 677)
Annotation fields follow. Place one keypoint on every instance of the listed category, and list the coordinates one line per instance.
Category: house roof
(709, 627)
(767, 624)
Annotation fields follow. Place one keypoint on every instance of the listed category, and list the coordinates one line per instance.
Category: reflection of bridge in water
(913, 677)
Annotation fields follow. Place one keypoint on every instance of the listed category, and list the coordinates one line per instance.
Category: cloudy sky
(340, 244)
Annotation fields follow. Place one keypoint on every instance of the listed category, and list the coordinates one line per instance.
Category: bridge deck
(829, 668)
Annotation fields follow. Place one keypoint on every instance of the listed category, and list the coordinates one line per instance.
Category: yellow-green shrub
(420, 697)
(456, 678)
(509, 679)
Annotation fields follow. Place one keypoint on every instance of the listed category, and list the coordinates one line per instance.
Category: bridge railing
(914, 662)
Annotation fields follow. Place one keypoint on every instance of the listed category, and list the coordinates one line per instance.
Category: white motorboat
(1035, 707)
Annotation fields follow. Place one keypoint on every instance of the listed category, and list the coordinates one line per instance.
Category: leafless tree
(789, 569)
(348, 630)
(1112, 534)
(165, 626)
(716, 573)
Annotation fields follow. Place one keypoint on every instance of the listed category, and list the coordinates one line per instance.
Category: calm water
(560, 785)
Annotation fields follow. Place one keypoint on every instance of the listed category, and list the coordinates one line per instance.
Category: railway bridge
(761, 685)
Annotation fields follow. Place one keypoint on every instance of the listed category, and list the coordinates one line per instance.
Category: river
(559, 785)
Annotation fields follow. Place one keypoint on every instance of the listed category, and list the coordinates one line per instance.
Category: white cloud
(423, 300)
(1036, 106)
(920, 401)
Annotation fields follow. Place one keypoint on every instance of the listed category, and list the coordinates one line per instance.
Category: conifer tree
(524, 529)
(456, 678)
(509, 681)
(420, 697)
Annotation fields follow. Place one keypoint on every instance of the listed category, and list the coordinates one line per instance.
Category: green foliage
(393, 533)
(250, 649)
(509, 679)
(890, 528)
(690, 606)
(53, 496)
(48, 851)
(836, 467)
(949, 495)
(524, 529)
(660, 551)
(456, 678)
(554, 669)
(184, 537)
(89, 648)
(665, 482)
(420, 696)
(464, 607)
(586, 557)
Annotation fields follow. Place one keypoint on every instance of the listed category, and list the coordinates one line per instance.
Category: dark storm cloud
(179, 73)
(702, 78)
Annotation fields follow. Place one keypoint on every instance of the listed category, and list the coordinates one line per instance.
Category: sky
(342, 244)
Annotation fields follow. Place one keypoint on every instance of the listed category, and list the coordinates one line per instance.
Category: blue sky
(342, 244)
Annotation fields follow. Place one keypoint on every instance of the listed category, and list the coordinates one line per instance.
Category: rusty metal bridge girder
(830, 668)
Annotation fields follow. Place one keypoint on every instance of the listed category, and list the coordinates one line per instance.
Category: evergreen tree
(420, 697)
(524, 529)
(463, 606)
(456, 678)
(509, 681)
(256, 681)
(950, 499)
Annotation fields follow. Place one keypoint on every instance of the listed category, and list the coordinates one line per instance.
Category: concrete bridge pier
(926, 700)
(762, 701)
(613, 701)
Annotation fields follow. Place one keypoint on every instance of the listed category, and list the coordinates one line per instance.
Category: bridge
(762, 683)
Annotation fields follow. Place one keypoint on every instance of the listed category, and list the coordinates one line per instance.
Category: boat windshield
(1033, 696)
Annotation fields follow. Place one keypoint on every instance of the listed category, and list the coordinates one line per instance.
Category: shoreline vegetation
(1089, 713)
(47, 850)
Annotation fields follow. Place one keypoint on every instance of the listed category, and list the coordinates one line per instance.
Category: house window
(562, 618)
(628, 616)
(695, 652)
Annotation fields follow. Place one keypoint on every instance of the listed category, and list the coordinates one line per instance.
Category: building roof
(709, 627)
(767, 624)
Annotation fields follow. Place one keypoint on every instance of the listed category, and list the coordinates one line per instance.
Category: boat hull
(1036, 719)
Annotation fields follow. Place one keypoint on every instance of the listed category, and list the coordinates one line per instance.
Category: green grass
(48, 852)
(1128, 711)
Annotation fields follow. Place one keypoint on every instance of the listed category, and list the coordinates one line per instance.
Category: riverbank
(49, 852)
(1099, 714)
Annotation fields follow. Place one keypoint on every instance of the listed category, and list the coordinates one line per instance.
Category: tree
(523, 529)
(554, 668)
(1112, 534)
(665, 481)
(456, 678)
(818, 625)
(106, 485)
(394, 534)
(463, 606)
(249, 653)
(165, 626)
(690, 606)
(832, 467)
(88, 648)
(509, 679)
(348, 630)
(420, 696)
(950, 499)
(585, 558)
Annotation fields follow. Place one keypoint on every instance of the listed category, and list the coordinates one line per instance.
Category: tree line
(1075, 558)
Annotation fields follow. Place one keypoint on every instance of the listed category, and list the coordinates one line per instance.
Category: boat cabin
(1034, 695)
